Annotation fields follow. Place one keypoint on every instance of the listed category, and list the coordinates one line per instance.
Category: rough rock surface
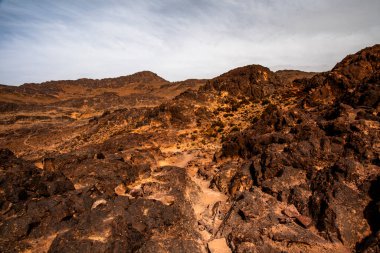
(252, 161)
(43, 209)
(321, 155)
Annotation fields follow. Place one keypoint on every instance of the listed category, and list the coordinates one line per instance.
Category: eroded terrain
(250, 161)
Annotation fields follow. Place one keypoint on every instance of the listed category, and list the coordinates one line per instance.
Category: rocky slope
(250, 161)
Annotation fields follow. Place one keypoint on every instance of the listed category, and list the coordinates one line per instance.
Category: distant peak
(145, 72)
(145, 76)
(246, 70)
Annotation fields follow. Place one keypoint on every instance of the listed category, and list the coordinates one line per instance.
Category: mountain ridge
(249, 161)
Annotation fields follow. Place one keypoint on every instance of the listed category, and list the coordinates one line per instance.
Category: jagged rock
(21, 180)
(318, 155)
(298, 166)
(48, 164)
(291, 211)
(264, 231)
(304, 220)
(254, 81)
(120, 190)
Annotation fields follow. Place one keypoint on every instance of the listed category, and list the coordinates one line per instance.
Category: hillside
(249, 161)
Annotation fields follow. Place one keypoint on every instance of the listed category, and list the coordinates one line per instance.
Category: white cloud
(43, 40)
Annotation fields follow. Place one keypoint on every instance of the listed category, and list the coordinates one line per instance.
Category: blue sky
(44, 40)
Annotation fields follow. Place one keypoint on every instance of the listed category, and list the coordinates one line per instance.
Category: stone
(120, 190)
(98, 203)
(48, 164)
(218, 246)
(304, 221)
(137, 192)
(291, 150)
(167, 200)
(291, 211)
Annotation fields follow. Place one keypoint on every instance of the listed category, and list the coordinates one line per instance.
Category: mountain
(249, 161)
(126, 88)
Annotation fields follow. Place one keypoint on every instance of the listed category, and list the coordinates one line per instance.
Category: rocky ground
(250, 161)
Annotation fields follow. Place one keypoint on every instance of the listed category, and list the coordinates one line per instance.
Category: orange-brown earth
(249, 161)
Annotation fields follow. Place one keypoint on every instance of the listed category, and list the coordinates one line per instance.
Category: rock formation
(250, 161)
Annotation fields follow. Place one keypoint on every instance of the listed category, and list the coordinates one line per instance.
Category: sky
(43, 40)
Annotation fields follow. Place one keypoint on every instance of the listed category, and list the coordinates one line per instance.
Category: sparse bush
(254, 120)
(265, 102)
(235, 129)
(217, 124)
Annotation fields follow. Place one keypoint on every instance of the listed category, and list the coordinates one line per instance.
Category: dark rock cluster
(291, 158)
(322, 156)
(42, 208)
(254, 81)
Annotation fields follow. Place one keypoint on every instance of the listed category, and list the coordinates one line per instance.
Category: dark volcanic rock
(322, 154)
(346, 80)
(294, 155)
(21, 181)
(253, 81)
(44, 206)
(265, 230)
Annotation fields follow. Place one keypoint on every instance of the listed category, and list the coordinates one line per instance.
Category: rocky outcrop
(260, 223)
(356, 75)
(253, 161)
(321, 157)
(41, 210)
(253, 81)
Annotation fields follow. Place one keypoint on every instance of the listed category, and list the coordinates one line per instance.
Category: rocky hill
(249, 161)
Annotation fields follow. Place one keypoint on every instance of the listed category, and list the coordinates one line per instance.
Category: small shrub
(235, 129)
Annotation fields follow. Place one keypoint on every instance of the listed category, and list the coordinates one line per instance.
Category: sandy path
(203, 199)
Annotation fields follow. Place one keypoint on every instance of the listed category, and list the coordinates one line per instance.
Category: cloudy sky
(44, 40)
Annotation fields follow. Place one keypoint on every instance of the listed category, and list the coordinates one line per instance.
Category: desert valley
(249, 161)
